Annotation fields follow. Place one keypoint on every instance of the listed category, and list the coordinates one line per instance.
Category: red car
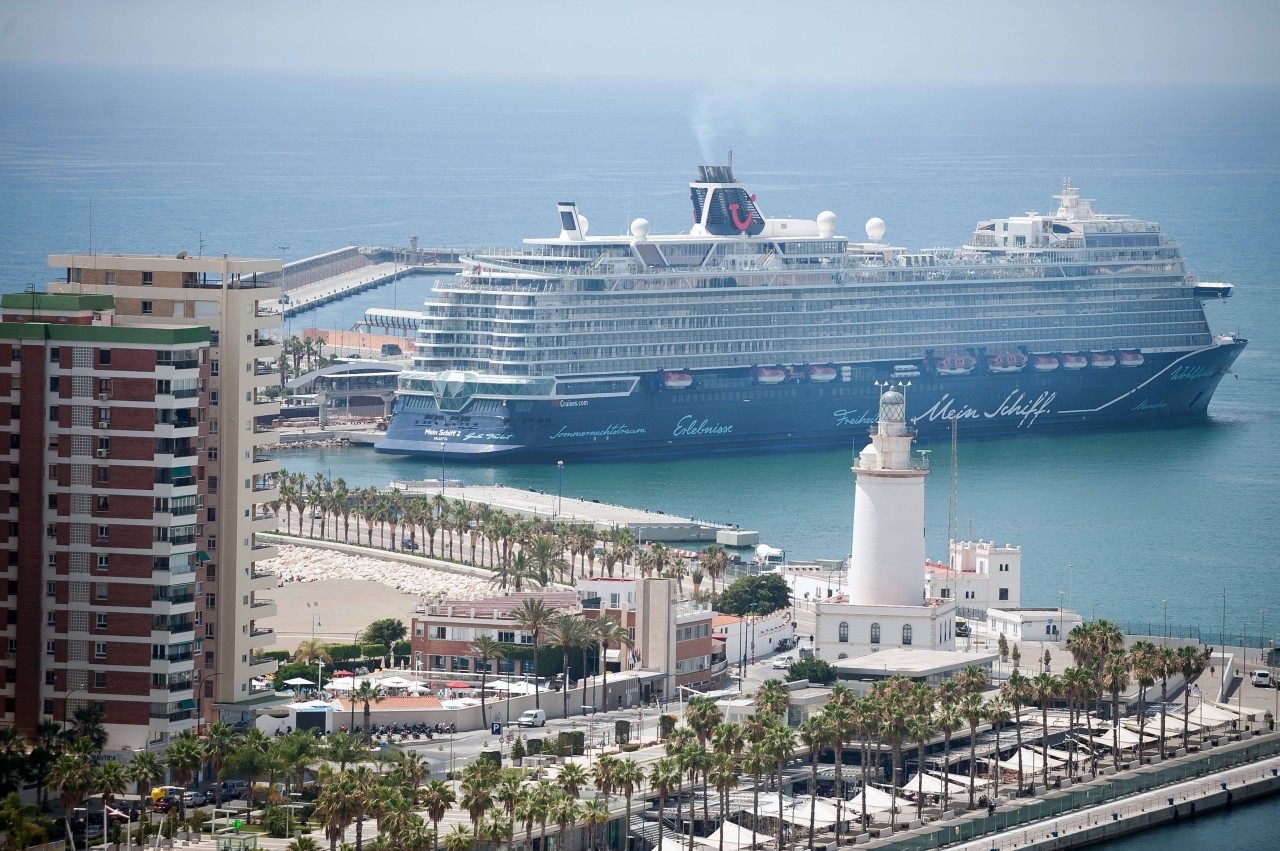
(163, 805)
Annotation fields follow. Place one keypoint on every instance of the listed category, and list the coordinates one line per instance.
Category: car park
(233, 789)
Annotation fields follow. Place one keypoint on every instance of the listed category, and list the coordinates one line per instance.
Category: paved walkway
(1152, 801)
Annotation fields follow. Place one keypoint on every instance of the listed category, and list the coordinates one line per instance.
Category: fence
(1114, 788)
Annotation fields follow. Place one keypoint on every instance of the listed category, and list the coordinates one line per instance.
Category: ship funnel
(721, 205)
(572, 226)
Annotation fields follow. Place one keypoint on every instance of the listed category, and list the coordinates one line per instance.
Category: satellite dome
(875, 228)
(826, 224)
(583, 224)
(640, 228)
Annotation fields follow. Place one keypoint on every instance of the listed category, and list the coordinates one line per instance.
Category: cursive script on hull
(614, 430)
(690, 426)
(1017, 404)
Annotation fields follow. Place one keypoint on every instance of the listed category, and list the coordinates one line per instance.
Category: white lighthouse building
(888, 513)
(885, 605)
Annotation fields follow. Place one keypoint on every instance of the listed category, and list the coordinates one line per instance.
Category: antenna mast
(951, 512)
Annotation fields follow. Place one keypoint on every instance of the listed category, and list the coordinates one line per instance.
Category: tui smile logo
(739, 223)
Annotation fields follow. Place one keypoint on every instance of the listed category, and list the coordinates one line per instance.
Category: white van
(532, 718)
(1261, 679)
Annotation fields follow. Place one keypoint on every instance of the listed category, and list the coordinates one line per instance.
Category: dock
(645, 525)
(315, 281)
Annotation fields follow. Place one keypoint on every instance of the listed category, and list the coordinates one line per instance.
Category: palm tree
(478, 779)
(572, 778)
(920, 728)
(628, 777)
(997, 712)
(724, 776)
(459, 839)
(608, 631)
(110, 782)
(894, 730)
(368, 693)
(342, 747)
(1115, 679)
(948, 720)
(1190, 662)
(486, 647)
(703, 717)
(1045, 688)
(533, 616)
(772, 697)
(220, 741)
(528, 809)
(714, 561)
(436, 798)
(565, 811)
(596, 813)
(144, 769)
(816, 732)
(567, 632)
(781, 743)
(1165, 665)
(973, 710)
(364, 783)
(333, 808)
(1142, 662)
(665, 778)
(1016, 690)
(23, 824)
(72, 775)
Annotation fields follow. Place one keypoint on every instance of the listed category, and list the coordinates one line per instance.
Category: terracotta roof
(724, 620)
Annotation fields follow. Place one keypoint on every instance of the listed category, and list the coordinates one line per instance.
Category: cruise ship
(751, 333)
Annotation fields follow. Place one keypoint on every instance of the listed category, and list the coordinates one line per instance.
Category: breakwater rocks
(314, 442)
(309, 564)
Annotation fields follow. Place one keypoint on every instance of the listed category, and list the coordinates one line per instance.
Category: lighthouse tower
(888, 513)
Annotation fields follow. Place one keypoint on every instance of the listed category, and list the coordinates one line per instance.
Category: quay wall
(1227, 771)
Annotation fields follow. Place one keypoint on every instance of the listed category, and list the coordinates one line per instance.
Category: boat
(1102, 360)
(560, 348)
(676, 380)
(956, 365)
(1007, 362)
(1074, 361)
(1044, 363)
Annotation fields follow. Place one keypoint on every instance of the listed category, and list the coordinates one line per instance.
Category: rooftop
(560, 601)
(909, 661)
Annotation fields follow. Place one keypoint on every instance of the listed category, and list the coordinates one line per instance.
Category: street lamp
(66, 706)
(560, 488)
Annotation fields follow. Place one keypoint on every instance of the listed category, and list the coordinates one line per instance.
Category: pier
(315, 281)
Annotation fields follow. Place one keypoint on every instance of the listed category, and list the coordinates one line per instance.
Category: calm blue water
(290, 167)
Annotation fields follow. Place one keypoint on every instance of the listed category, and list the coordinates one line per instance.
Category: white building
(981, 575)
(884, 605)
(1033, 624)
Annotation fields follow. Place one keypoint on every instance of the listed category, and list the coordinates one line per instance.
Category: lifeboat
(956, 365)
(1044, 363)
(676, 380)
(769, 375)
(1131, 359)
(1007, 362)
(822, 374)
(1101, 360)
(1074, 361)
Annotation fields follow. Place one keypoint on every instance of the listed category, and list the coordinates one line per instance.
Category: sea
(1156, 528)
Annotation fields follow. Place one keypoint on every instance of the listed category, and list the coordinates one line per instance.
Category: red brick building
(105, 426)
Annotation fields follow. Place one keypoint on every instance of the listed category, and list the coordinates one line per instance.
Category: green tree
(72, 776)
(764, 593)
(813, 669)
(368, 693)
(437, 798)
(384, 632)
(23, 825)
(533, 617)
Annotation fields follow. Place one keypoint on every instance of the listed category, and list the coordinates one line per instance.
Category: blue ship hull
(655, 421)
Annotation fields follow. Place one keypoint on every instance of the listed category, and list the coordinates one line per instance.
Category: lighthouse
(888, 513)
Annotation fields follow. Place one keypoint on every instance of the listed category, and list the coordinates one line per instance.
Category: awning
(932, 784)
(202, 555)
(179, 472)
(734, 837)
(186, 704)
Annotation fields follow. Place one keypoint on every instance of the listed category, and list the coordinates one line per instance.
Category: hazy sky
(803, 41)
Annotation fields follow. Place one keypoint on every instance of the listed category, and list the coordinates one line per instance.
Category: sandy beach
(347, 592)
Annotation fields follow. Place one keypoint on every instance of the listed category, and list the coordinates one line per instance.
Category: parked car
(168, 802)
(408, 544)
(782, 663)
(194, 798)
(1261, 679)
(233, 789)
(532, 718)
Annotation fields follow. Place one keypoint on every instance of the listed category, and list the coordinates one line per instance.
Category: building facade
(106, 599)
(225, 295)
(980, 576)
